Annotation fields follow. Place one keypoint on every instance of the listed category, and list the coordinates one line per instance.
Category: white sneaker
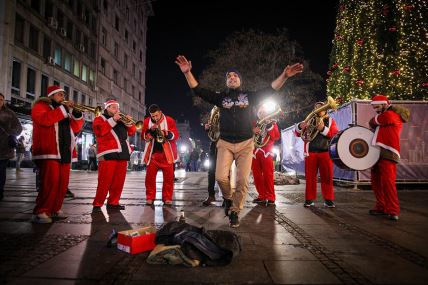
(59, 215)
(42, 218)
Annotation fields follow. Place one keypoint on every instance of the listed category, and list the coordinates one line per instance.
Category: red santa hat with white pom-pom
(379, 100)
(110, 102)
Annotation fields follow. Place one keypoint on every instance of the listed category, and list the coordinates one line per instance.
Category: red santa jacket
(272, 136)
(167, 124)
(107, 139)
(330, 130)
(45, 129)
(388, 127)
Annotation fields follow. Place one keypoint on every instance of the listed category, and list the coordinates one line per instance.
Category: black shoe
(308, 203)
(69, 194)
(115, 207)
(329, 204)
(96, 209)
(258, 201)
(208, 201)
(392, 217)
(227, 204)
(234, 220)
(270, 202)
(375, 212)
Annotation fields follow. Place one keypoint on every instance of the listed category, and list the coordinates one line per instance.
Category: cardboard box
(137, 240)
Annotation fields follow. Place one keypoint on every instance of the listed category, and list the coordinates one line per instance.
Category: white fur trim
(56, 91)
(378, 102)
(375, 118)
(47, 156)
(298, 130)
(112, 122)
(64, 112)
(388, 148)
(325, 131)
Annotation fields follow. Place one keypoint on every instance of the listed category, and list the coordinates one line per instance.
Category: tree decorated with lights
(380, 47)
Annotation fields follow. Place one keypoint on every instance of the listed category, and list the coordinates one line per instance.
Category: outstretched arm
(186, 67)
(289, 71)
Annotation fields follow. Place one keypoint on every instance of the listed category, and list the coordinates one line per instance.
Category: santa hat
(235, 71)
(54, 89)
(110, 102)
(379, 100)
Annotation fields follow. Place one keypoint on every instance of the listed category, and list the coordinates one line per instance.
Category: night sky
(192, 28)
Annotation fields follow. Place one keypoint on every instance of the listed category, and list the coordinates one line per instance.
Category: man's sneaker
(233, 220)
(115, 207)
(227, 204)
(375, 212)
(329, 204)
(208, 201)
(259, 201)
(60, 215)
(270, 202)
(308, 203)
(69, 194)
(392, 217)
(41, 218)
(96, 209)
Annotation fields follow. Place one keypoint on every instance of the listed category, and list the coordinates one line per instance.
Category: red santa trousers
(111, 178)
(319, 161)
(262, 168)
(158, 161)
(54, 177)
(383, 178)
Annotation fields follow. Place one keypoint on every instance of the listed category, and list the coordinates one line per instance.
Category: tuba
(262, 138)
(214, 121)
(313, 119)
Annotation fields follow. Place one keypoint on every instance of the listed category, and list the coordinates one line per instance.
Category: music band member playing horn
(160, 133)
(262, 165)
(387, 125)
(236, 129)
(317, 158)
(112, 130)
(55, 124)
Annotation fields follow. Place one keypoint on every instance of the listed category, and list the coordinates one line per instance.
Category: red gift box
(138, 240)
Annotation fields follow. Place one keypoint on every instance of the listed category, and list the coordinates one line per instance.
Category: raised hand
(184, 64)
(294, 69)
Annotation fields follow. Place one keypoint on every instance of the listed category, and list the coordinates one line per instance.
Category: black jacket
(236, 113)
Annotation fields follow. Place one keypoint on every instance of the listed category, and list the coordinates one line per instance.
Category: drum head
(355, 149)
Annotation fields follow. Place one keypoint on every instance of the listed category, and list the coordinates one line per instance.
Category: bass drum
(352, 149)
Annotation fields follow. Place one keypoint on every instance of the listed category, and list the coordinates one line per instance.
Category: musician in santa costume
(113, 152)
(262, 164)
(387, 125)
(317, 158)
(55, 124)
(159, 154)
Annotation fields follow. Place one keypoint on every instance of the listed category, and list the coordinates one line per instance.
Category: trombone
(126, 121)
(84, 108)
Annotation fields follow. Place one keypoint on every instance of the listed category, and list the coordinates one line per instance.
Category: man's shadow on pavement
(98, 259)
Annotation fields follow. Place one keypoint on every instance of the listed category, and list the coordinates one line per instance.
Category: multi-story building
(94, 50)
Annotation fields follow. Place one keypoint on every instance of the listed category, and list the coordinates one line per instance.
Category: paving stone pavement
(282, 244)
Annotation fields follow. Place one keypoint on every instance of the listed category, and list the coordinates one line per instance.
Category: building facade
(95, 50)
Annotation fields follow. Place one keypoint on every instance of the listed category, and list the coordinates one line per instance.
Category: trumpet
(84, 108)
(126, 121)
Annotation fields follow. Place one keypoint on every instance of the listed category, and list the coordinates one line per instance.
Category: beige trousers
(242, 153)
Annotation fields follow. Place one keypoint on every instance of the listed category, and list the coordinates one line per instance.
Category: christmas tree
(380, 47)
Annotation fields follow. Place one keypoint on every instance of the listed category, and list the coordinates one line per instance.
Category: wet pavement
(282, 244)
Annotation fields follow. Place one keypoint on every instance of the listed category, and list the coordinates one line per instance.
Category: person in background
(92, 158)
(20, 152)
(9, 126)
(212, 156)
